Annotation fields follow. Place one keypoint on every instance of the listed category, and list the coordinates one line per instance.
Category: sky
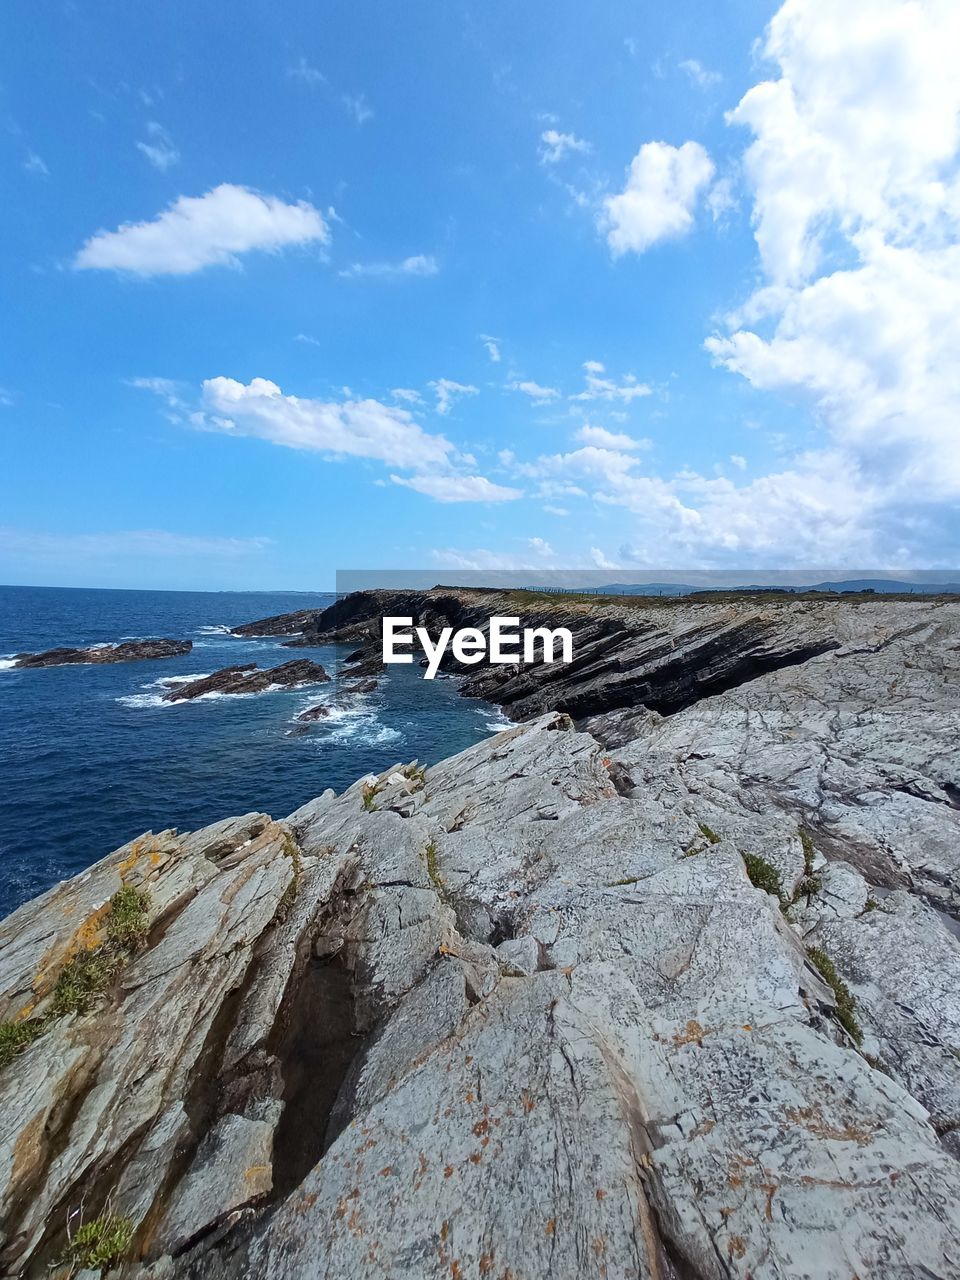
(290, 289)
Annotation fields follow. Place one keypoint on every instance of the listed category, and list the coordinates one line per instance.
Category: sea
(91, 756)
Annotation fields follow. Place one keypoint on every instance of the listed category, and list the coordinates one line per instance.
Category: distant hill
(879, 585)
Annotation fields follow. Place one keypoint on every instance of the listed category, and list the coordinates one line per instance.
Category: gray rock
(648, 1077)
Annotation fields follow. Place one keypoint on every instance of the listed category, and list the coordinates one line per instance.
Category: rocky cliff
(672, 992)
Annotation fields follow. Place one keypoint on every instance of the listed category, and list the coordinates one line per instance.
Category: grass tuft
(763, 875)
(83, 981)
(98, 1244)
(711, 837)
(16, 1036)
(846, 1004)
(128, 919)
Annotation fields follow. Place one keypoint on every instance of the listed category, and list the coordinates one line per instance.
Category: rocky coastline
(664, 981)
(249, 678)
(97, 655)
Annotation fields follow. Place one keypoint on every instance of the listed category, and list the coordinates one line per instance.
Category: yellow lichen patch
(128, 863)
(255, 1170)
(693, 1033)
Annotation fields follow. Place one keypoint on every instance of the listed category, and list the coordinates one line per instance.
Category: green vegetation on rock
(98, 1244)
(846, 1004)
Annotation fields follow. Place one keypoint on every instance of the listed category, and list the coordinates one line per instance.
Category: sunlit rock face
(665, 992)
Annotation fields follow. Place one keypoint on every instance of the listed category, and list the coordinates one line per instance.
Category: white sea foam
(7, 662)
(164, 681)
(357, 722)
(144, 700)
(495, 723)
(219, 630)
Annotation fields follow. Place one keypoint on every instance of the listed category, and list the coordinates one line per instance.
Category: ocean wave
(219, 630)
(165, 681)
(495, 723)
(144, 700)
(358, 722)
(7, 663)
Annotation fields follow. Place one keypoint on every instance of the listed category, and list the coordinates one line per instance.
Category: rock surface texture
(249, 678)
(128, 651)
(653, 995)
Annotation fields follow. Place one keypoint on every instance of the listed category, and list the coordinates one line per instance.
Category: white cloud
(202, 231)
(159, 148)
(721, 198)
(540, 546)
(853, 169)
(457, 488)
(699, 74)
(600, 560)
(492, 346)
(419, 264)
(663, 186)
(307, 340)
(604, 439)
(602, 388)
(447, 391)
(35, 165)
(739, 461)
(358, 107)
(556, 511)
(535, 391)
(352, 428)
(557, 145)
(407, 394)
(309, 75)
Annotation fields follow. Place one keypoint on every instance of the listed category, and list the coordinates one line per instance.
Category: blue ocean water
(90, 757)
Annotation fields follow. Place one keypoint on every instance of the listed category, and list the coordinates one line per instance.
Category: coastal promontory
(667, 989)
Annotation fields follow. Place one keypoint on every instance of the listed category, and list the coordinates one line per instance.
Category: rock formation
(249, 678)
(672, 993)
(128, 651)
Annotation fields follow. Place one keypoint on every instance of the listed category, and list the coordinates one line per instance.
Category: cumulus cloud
(351, 428)
(420, 264)
(447, 392)
(599, 387)
(605, 439)
(202, 231)
(159, 147)
(458, 488)
(535, 391)
(853, 172)
(555, 145)
(663, 186)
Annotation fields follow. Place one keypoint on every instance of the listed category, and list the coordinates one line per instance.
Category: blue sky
(290, 289)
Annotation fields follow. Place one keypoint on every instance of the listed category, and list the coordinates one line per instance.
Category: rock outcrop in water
(128, 651)
(668, 996)
(249, 678)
